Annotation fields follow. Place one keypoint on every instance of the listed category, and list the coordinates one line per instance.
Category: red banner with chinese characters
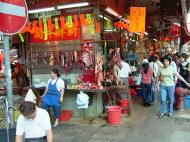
(57, 35)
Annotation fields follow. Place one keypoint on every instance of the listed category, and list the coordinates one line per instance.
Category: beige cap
(30, 96)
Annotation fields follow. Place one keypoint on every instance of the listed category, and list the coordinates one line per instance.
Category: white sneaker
(56, 124)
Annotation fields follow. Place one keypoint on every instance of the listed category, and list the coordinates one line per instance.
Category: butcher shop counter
(95, 108)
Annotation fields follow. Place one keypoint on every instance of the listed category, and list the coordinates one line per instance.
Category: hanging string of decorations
(60, 26)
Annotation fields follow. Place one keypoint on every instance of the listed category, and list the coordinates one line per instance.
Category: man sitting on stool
(34, 123)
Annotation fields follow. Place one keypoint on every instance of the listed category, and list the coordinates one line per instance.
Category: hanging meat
(62, 59)
(45, 59)
(51, 59)
(99, 70)
(117, 57)
(87, 57)
(75, 56)
(68, 62)
(58, 57)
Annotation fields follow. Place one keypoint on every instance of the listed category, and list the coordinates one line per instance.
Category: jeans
(146, 88)
(154, 90)
(167, 95)
(124, 82)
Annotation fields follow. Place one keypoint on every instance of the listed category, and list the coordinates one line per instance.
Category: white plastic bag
(82, 100)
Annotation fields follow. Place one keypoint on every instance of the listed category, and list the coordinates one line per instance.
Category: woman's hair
(27, 108)
(184, 55)
(145, 67)
(56, 71)
(152, 59)
(168, 57)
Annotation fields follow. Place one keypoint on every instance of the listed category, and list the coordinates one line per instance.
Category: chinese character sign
(60, 28)
(137, 19)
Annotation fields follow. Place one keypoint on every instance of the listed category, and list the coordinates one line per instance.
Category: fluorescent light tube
(72, 5)
(41, 10)
(101, 16)
(111, 11)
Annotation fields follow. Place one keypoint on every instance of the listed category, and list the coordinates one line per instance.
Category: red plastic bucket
(66, 115)
(124, 103)
(125, 111)
(114, 115)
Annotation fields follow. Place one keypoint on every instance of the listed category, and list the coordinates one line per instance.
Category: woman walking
(53, 95)
(184, 70)
(147, 74)
(167, 86)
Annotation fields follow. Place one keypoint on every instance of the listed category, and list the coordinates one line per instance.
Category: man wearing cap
(34, 123)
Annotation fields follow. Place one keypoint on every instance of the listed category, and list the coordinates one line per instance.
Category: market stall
(70, 43)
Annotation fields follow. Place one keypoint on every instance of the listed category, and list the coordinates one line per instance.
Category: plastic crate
(66, 115)
(3, 135)
(187, 102)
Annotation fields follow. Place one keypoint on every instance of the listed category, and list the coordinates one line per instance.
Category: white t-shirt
(124, 71)
(154, 67)
(34, 128)
(60, 83)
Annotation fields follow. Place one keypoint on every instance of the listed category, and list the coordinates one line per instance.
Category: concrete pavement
(143, 126)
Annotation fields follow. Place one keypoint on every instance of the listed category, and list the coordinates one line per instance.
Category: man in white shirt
(34, 124)
(122, 73)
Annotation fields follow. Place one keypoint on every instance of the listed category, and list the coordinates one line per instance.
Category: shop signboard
(57, 35)
(13, 15)
(137, 19)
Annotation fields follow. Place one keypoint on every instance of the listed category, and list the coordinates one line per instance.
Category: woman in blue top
(53, 95)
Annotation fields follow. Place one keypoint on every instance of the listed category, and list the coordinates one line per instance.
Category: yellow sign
(137, 19)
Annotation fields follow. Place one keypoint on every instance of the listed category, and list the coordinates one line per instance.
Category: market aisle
(143, 125)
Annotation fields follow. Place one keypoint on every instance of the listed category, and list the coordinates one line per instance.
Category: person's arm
(49, 135)
(61, 87)
(62, 94)
(159, 63)
(115, 75)
(19, 138)
(20, 129)
(182, 79)
(129, 69)
(45, 92)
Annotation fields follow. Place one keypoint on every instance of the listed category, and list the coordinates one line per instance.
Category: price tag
(21, 37)
(90, 23)
(45, 29)
(56, 23)
(70, 21)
